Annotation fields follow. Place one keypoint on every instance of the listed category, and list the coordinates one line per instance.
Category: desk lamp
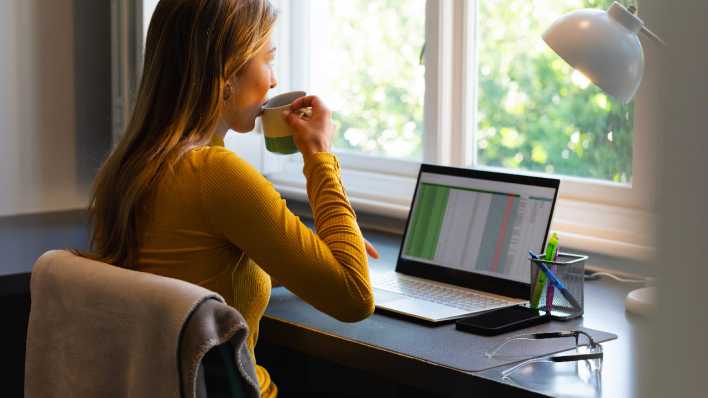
(605, 47)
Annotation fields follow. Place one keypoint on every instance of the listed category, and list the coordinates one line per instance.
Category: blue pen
(556, 282)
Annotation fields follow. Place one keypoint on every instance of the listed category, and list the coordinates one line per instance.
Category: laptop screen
(480, 222)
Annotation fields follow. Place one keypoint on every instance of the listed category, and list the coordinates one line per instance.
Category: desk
(317, 358)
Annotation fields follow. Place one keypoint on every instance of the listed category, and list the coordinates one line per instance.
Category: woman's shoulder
(218, 161)
(208, 157)
(226, 180)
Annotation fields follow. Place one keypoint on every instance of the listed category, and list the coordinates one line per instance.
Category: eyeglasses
(583, 352)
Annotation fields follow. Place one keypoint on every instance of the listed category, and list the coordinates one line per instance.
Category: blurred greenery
(376, 83)
(534, 113)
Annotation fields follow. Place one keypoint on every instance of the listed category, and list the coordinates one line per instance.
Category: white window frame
(591, 215)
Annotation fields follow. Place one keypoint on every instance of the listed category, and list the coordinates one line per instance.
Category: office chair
(97, 330)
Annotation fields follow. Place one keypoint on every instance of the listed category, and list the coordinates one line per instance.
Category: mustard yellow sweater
(217, 222)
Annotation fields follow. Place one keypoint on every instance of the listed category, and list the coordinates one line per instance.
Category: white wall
(39, 162)
(678, 365)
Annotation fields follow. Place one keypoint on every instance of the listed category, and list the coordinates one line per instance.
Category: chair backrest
(97, 330)
(218, 373)
(220, 376)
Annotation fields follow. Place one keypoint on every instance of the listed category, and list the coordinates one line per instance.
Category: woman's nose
(273, 82)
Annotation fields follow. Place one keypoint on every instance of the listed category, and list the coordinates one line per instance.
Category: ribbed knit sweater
(217, 222)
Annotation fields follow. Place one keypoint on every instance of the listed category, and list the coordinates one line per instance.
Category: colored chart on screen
(478, 230)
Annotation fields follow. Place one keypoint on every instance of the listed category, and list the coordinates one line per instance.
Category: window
(488, 94)
(371, 77)
(494, 96)
(534, 112)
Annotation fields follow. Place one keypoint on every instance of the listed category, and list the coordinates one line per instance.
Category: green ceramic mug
(278, 135)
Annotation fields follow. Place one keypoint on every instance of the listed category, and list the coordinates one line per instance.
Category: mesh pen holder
(570, 270)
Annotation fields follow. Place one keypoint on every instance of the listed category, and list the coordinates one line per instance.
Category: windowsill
(368, 192)
(382, 203)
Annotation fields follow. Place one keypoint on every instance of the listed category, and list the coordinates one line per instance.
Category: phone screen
(504, 316)
(501, 320)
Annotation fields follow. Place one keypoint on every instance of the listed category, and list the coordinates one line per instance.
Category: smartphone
(502, 320)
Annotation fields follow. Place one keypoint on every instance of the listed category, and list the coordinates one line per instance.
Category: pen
(549, 288)
(541, 277)
(556, 282)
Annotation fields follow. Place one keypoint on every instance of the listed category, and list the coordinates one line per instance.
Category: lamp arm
(653, 36)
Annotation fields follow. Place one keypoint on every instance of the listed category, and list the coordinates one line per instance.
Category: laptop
(466, 243)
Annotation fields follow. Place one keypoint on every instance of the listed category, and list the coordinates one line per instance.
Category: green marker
(551, 249)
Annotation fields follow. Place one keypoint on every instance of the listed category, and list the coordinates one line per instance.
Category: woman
(171, 200)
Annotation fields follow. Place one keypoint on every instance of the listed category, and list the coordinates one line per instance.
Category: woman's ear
(227, 91)
(230, 87)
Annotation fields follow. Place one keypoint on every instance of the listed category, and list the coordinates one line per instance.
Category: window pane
(365, 64)
(534, 113)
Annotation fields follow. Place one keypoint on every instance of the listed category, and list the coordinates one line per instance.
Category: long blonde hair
(192, 48)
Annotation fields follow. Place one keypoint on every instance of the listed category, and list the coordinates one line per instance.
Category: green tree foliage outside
(533, 113)
(376, 81)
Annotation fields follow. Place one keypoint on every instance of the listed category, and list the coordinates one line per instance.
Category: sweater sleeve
(328, 269)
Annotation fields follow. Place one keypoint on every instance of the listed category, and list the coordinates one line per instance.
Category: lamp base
(641, 301)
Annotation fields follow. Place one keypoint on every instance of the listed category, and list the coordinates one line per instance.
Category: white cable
(617, 278)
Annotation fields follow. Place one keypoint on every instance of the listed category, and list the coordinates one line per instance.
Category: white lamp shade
(603, 46)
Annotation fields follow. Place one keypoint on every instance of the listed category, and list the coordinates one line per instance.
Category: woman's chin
(245, 128)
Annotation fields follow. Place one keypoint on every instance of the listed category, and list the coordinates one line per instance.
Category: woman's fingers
(310, 101)
(312, 125)
(302, 102)
(293, 118)
(370, 249)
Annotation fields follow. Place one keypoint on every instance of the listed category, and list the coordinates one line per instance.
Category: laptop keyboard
(453, 297)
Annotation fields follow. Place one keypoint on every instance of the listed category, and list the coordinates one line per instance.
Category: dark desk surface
(604, 311)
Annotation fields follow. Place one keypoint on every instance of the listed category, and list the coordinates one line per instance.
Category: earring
(227, 92)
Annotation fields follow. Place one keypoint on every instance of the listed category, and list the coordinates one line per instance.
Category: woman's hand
(370, 249)
(312, 133)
